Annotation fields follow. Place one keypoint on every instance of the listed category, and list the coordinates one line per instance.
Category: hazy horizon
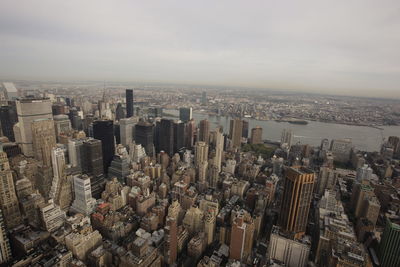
(336, 48)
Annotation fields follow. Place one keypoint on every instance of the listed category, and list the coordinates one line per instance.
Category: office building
(166, 137)
(5, 248)
(287, 138)
(62, 125)
(201, 153)
(245, 129)
(204, 98)
(171, 240)
(103, 130)
(235, 133)
(76, 153)
(209, 226)
(287, 250)
(8, 198)
(296, 200)
(364, 173)
(242, 233)
(341, 149)
(119, 112)
(51, 216)
(185, 114)
(120, 165)
(219, 149)
(8, 117)
(256, 136)
(204, 131)
(92, 165)
(83, 202)
(29, 110)
(144, 135)
(129, 103)
(127, 130)
(389, 247)
(190, 133)
(179, 136)
(43, 140)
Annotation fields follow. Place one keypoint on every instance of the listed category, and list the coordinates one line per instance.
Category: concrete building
(51, 216)
(82, 243)
(341, 149)
(242, 233)
(287, 138)
(83, 201)
(29, 110)
(43, 140)
(291, 252)
(5, 249)
(185, 114)
(62, 125)
(364, 173)
(127, 130)
(201, 153)
(235, 133)
(204, 131)
(256, 136)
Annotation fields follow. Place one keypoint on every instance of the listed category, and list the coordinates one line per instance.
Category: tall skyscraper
(8, 117)
(179, 136)
(103, 130)
(287, 137)
(297, 194)
(76, 153)
(245, 129)
(190, 132)
(43, 139)
(204, 131)
(119, 112)
(93, 165)
(144, 135)
(83, 202)
(167, 136)
(58, 162)
(185, 114)
(127, 130)
(242, 233)
(171, 240)
(201, 153)
(236, 128)
(29, 110)
(129, 103)
(219, 149)
(5, 248)
(204, 98)
(389, 248)
(8, 198)
(364, 173)
(256, 136)
(62, 124)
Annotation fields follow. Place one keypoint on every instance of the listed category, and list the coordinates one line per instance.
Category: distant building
(204, 98)
(127, 130)
(256, 136)
(364, 173)
(235, 133)
(103, 130)
(287, 138)
(204, 131)
(144, 135)
(129, 102)
(8, 117)
(185, 114)
(43, 139)
(341, 149)
(166, 137)
(245, 129)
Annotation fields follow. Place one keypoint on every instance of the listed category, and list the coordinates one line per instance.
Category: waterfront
(364, 138)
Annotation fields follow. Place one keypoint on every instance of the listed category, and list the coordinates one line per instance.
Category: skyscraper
(389, 248)
(201, 153)
(119, 112)
(171, 241)
(8, 117)
(43, 139)
(256, 135)
(129, 103)
(297, 194)
(185, 114)
(204, 98)
(103, 130)
(8, 198)
(92, 164)
(127, 130)
(83, 202)
(5, 248)
(241, 236)
(167, 136)
(179, 135)
(204, 131)
(287, 137)
(144, 132)
(190, 131)
(29, 110)
(245, 129)
(236, 128)
(219, 149)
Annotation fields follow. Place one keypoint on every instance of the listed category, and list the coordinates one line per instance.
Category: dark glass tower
(144, 132)
(103, 130)
(8, 117)
(92, 164)
(389, 248)
(179, 136)
(129, 103)
(166, 136)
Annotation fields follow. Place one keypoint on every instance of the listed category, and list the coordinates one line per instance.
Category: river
(364, 138)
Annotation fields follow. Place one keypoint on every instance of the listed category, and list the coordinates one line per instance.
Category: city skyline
(340, 48)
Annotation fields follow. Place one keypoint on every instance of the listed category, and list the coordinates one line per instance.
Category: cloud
(346, 46)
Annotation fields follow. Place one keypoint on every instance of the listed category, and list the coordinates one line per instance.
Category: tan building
(201, 153)
(235, 134)
(256, 136)
(193, 220)
(242, 233)
(297, 194)
(43, 140)
(82, 243)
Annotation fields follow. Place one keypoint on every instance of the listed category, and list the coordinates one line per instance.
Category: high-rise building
(43, 139)
(76, 153)
(8, 198)
(171, 240)
(209, 226)
(296, 200)
(29, 110)
(58, 163)
(120, 165)
(256, 136)
(204, 98)
(190, 133)
(127, 130)
(8, 117)
(185, 114)
(219, 149)
(119, 112)
(364, 173)
(93, 165)
(235, 133)
(5, 248)
(245, 129)
(179, 136)
(103, 130)
(83, 202)
(204, 131)
(389, 248)
(51, 216)
(62, 124)
(287, 138)
(201, 153)
(341, 149)
(167, 136)
(242, 233)
(129, 103)
(144, 135)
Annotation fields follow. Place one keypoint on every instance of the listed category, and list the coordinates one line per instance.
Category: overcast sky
(340, 46)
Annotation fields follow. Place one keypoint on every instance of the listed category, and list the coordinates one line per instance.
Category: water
(364, 138)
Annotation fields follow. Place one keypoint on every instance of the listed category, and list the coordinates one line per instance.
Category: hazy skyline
(343, 47)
